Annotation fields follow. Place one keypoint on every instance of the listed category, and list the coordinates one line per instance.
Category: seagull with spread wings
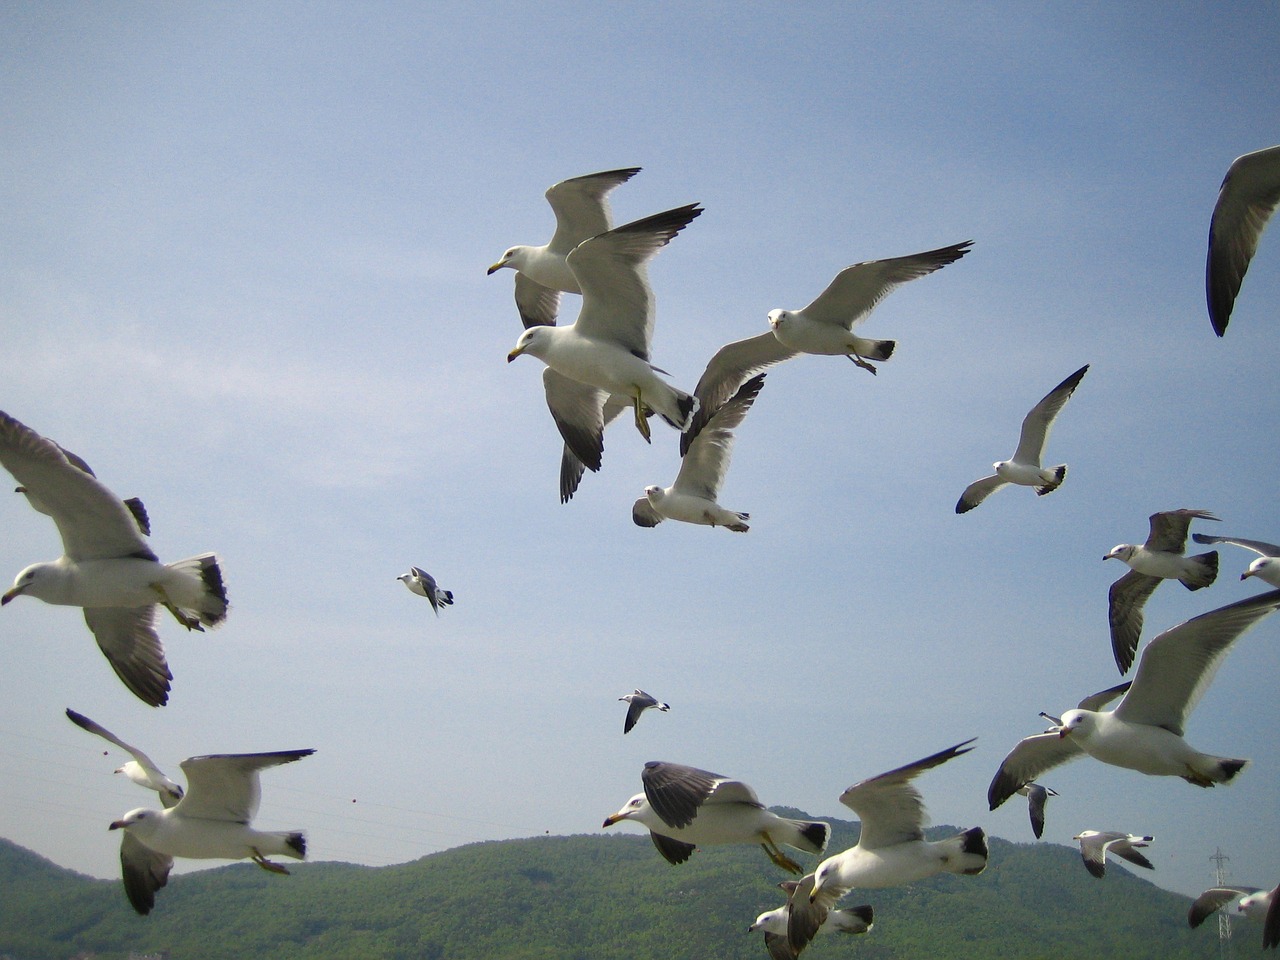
(1096, 844)
(1266, 568)
(424, 585)
(637, 703)
(774, 923)
(141, 769)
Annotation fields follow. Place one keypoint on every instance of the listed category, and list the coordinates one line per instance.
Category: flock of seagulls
(595, 369)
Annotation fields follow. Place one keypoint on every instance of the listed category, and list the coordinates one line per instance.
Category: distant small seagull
(1246, 200)
(692, 498)
(1215, 898)
(210, 823)
(824, 327)
(581, 206)
(1095, 845)
(891, 848)
(639, 703)
(1266, 568)
(1024, 466)
(1145, 730)
(1160, 558)
(424, 585)
(685, 808)
(107, 567)
(773, 923)
(141, 769)
(1037, 798)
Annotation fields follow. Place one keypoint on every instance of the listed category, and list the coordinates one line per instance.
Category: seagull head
(27, 582)
(819, 880)
(1264, 568)
(633, 809)
(1075, 721)
(131, 819)
(1121, 551)
(507, 260)
(533, 341)
(654, 493)
(777, 318)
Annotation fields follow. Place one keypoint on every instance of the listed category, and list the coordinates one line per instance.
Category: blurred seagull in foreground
(1246, 200)
(639, 703)
(581, 206)
(1024, 466)
(424, 585)
(692, 497)
(1215, 898)
(824, 327)
(1037, 798)
(685, 808)
(1160, 558)
(107, 567)
(773, 923)
(141, 769)
(1095, 845)
(1145, 730)
(211, 822)
(1266, 568)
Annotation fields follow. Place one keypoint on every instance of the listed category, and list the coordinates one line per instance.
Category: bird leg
(777, 856)
(858, 361)
(1198, 779)
(191, 623)
(266, 864)
(641, 423)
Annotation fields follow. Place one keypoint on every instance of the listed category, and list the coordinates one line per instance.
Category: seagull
(823, 327)
(1160, 558)
(773, 923)
(1037, 797)
(210, 822)
(1024, 466)
(1145, 730)
(424, 585)
(685, 807)
(107, 567)
(571, 468)
(891, 849)
(141, 770)
(1215, 898)
(639, 703)
(1265, 568)
(133, 503)
(1094, 847)
(1247, 198)
(692, 498)
(607, 350)
(581, 206)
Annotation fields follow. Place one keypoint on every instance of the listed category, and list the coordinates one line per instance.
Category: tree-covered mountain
(594, 898)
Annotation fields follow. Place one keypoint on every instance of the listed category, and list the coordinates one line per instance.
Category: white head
(771, 921)
(637, 808)
(37, 580)
(1122, 551)
(1266, 569)
(1077, 723)
(1255, 904)
(533, 341)
(820, 878)
(140, 821)
(655, 493)
(778, 317)
(513, 258)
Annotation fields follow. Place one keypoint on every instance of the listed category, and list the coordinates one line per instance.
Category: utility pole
(1224, 918)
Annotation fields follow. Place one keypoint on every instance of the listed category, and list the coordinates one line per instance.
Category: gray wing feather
(856, 290)
(1125, 601)
(128, 639)
(1038, 422)
(1212, 900)
(581, 206)
(538, 305)
(1025, 762)
(578, 410)
(143, 870)
(727, 370)
(643, 514)
(1260, 547)
(703, 468)
(1247, 198)
(1169, 529)
(225, 786)
(978, 491)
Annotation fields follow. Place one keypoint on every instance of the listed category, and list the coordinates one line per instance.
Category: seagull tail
(811, 835)
(740, 525)
(1057, 475)
(297, 846)
(211, 606)
(445, 596)
(687, 405)
(876, 349)
(966, 852)
(1206, 571)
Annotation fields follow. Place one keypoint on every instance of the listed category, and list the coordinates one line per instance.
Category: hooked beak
(117, 825)
(16, 591)
(1063, 731)
(495, 268)
(514, 353)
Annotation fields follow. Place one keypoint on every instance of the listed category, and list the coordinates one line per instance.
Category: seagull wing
(1125, 601)
(1125, 849)
(676, 792)
(1260, 547)
(889, 806)
(1031, 757)
(225, 786)
(94, 523)
(640, 701)
(978, 491)
(1098, 701)
(1247, 198)
(538, 305)
(617, 301)
(673, 851)
(1177, 667)
(159, 782)
(127, 637)
(726, 372)
(571, 468)
(578, 410)
(1037, 423)
(1169, 529)
(856, 290)
(143, 870)
(703, 468)
(1212, 900)
(581, 206)
(643, 514)
(1037, 797)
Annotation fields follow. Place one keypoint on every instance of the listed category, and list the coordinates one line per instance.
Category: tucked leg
(857, 360)
(642, 424)
(266, 864)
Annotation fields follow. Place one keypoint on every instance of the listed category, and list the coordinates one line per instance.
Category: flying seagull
(424, 585)
(607, 350)
(211, 822)
(1145, 730)
(1246, 200)
(1024, 466)
(1265, 568)
(133, 503)
(891, 849)
(1037, 798)
(823, 327)
(1095, 845)
(1215, 898)
(692, 498)
(639, 702)
(107, 567)
(685, 807)
(1160, 558)
(581, 206)
(141, 769)
(773, 923)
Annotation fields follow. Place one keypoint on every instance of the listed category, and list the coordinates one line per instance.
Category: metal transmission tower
(1224, 918)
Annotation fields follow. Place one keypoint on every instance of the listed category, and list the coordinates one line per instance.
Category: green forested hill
(594, 898)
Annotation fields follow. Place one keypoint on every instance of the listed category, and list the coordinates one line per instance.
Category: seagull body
(424, 585)
(107, 567)
(891, 849)
(1247, 198)
(823, 327)
(1145, 730)
(1037, 798)
(141, 769)
(1266, 568)
(1095, 845)
(1024, 468)
(774, 923)
(639, 702)
(210, 822)
(1160, 558)
(685, 807)
(1215, 898)
(606, 351)
(692, 498)
(581, 206)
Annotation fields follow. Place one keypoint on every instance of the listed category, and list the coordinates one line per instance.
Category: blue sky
(242, 273)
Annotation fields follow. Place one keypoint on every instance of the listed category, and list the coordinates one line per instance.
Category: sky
(242, 274)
